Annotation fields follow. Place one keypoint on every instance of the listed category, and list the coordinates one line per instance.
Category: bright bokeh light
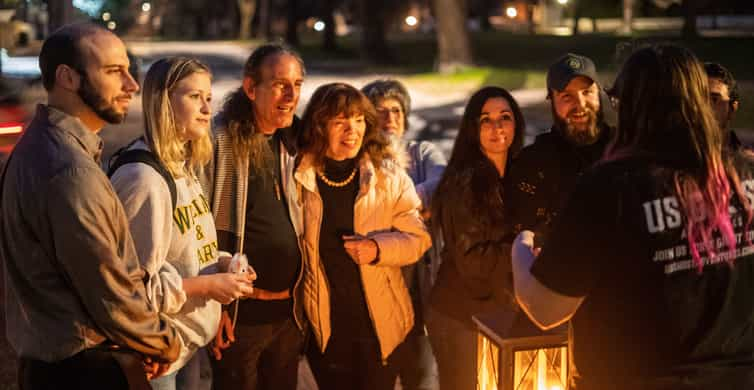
(106, 16)
(319, 26)
(146, 7)
(90, 7)
(511, 12)
(411, 20)
(111, 25)
(562, 2)
(556, 387)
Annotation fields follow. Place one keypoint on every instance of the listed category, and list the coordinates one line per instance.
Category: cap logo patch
(574, 64)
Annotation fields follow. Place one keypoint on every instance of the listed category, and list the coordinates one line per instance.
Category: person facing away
(178, 246)
(545, 172)
(651, 258)
(361, 225)
(724, 98)
(468, 215)
(256, 209)
(75, 300)
(416, 363)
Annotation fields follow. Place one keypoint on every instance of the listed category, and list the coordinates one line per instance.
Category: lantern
(513, 354)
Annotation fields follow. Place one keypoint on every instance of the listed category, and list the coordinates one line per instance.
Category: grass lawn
(415, 53)
(518, 61)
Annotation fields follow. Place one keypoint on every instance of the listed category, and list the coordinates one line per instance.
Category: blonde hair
(160, 129)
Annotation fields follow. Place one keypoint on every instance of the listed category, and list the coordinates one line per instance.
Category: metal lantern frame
(503, 337)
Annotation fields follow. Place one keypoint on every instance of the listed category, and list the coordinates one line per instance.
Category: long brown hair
(663, 108)
(469, 169)
(331, 100)
(237, 113)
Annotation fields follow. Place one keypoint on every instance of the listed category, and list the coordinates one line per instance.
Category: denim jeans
(350, 363)
(195, 375)
(165, 382)
(455, 347)
(415, 361)
(263, 357)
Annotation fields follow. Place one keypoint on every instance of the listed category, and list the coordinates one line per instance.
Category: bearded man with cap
(545, 172)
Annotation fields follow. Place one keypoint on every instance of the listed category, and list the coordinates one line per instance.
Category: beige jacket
(387, 211)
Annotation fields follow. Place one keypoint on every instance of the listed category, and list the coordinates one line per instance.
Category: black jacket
(475, 274)
(541, 178)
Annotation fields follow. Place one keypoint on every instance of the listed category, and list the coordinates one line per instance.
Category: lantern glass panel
(488, 363)
(540, 369)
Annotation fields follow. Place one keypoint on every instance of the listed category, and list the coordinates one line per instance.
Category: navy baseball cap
(566, 68)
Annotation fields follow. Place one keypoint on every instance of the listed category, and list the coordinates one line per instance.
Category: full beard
(583, 135)
(98, 104)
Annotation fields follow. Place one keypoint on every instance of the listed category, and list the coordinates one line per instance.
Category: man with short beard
(542, 176)
(77, 311)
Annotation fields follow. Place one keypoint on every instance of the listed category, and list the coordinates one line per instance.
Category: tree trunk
(628, 17)
(263, 28)
(60, 13)
(453, 43)
(291, 31)
(689, 19)
(484, 15)
(374, 47)
(530, 18)
(328, 18)
(246, 15)
(577, 10)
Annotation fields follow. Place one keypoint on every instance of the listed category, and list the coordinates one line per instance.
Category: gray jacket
(426, 164)
(72, 273)
(425, 167)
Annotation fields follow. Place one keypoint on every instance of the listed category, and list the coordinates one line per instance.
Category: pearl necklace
(337, 184)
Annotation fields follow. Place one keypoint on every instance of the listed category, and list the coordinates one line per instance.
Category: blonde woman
(177, 246)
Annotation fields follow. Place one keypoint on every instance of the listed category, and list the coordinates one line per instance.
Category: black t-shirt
(270, 242)
(349, 314)
(648, 315)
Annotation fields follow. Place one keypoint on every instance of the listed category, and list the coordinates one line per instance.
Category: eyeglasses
(388, 111)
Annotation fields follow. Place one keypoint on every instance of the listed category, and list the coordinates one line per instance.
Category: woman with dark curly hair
(361, 224)
(467, 213)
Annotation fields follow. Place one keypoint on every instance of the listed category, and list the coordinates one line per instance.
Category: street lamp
(319, 26)
(511, 12)
(146, 7)
(411, 20)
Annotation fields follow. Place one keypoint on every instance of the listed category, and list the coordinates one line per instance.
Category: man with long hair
(75, 298)
(254, 201)
(651, 258)
(544, 173)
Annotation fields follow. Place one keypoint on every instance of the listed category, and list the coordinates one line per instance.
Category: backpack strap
(145, 157)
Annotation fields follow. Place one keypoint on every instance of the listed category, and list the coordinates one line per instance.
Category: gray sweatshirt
(172, 245)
